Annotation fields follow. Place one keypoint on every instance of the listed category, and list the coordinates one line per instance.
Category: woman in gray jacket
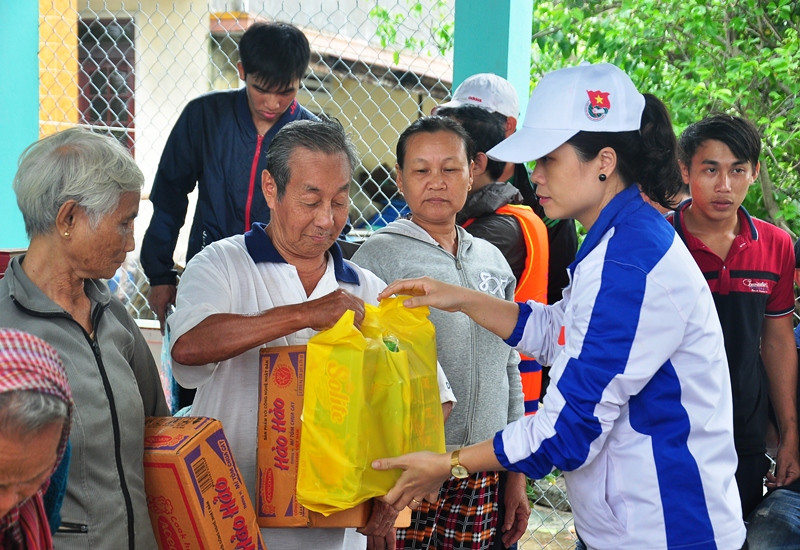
(79, 194)
(434, 173)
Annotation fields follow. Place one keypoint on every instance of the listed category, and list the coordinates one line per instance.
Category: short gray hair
(92, 169)
(27, 411)
(324, 136)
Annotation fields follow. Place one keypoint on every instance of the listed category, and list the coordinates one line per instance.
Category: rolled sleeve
(445, 391)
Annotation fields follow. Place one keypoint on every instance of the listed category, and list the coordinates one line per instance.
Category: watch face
(459, 472)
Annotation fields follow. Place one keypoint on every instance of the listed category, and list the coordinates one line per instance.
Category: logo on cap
(598, 105)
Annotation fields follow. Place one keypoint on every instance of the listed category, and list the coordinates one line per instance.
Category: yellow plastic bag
(364, 401)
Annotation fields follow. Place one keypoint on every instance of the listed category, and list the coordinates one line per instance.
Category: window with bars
(106, 78)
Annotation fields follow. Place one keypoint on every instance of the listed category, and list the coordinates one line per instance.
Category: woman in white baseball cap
(638, 413)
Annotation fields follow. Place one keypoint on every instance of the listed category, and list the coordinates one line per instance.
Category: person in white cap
(497, 95)
(490, 92)
(639, 412)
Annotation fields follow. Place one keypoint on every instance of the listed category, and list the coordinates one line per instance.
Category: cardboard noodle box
(280, 406)
(195, 493)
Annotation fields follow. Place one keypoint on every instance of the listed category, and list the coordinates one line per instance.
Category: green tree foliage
(698, 56)
(401, 26)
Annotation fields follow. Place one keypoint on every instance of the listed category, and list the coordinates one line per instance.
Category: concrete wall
(373, 115)
(58, 65)
(171, 65)
(171, 69)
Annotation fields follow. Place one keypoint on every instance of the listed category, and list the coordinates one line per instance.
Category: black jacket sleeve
(158, 247)
(505, 233)
(179, 170)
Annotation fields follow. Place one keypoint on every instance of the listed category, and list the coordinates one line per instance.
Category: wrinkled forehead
(421, 144)
(321, 169)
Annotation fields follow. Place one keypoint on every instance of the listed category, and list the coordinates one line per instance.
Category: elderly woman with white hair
(79, 193)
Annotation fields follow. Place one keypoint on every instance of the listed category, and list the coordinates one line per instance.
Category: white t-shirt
(244, 274)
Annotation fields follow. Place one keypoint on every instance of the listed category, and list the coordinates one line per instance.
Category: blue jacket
(216, 146)
(638, 413)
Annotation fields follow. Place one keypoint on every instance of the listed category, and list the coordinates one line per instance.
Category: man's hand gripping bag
(369, 393)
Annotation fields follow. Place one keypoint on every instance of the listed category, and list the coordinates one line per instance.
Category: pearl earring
(602, 177)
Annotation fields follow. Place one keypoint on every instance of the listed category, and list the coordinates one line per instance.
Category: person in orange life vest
(497, 95)
(494, 211)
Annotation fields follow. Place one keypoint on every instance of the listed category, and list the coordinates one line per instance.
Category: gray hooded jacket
(481, 368)
(115, 384)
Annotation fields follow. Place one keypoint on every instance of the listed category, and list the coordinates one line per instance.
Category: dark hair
(430, 125)
(647, 156)
(323, 136)
(684, 189)
(486, 129)
(276, 54)
(797, 254)
(739, 134)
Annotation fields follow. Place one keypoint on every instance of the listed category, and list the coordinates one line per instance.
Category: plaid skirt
(463, 518)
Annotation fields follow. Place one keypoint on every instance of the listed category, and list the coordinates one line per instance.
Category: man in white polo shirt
(277, 284)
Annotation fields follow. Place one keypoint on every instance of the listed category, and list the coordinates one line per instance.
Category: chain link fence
(128, 67)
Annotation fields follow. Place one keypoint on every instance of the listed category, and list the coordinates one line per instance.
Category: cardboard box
(195, 493)
(281, 405)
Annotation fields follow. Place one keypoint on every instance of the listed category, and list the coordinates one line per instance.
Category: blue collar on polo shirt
(261, 249)
(748, 230)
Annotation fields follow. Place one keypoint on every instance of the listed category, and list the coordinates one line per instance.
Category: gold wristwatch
(456, 469)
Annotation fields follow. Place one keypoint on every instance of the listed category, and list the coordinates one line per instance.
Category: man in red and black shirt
(749, 266)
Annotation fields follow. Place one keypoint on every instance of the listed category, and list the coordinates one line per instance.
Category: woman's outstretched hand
(423, 475)
(491, 312)
(425, 291)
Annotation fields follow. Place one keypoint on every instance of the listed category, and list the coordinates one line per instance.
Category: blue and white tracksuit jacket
(638, 413)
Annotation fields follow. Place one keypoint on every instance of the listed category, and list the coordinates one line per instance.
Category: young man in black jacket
(219, 144)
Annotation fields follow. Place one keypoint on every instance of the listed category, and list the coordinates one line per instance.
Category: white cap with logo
(487, 91)
(586, 98)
